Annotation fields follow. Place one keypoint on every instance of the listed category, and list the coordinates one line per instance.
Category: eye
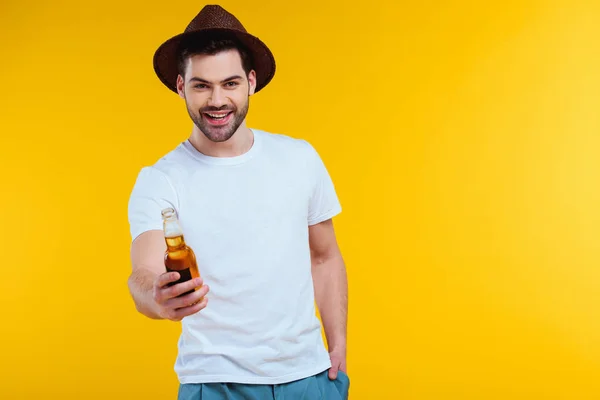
(231, 84)
(200, 86)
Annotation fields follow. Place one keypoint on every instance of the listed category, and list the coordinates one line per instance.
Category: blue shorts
(314, 387)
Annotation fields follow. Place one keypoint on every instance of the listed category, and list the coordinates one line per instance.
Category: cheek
(195, 101)
(240, 99)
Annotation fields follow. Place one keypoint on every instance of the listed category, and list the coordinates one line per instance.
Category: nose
(217, 98)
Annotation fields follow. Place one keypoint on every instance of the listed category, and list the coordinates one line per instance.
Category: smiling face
(216, 89)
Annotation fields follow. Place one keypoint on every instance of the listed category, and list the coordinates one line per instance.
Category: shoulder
(286, 145)
(164, 171)
(170, 165)
(172, 162)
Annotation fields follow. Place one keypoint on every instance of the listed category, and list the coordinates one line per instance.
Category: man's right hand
(176, 308)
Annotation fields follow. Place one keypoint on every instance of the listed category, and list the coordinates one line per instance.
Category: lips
(218, 118)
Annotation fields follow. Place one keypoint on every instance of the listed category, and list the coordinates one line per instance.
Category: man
(256, 208)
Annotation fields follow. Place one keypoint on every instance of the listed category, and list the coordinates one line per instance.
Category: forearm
(331, 294)
(141, 283)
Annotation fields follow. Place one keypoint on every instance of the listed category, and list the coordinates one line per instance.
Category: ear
(180, 86)
(251, 82)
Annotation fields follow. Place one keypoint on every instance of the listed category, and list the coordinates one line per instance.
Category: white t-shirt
(247, 219)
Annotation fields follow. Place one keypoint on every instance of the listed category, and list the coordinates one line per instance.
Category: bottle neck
(173, 232)
(175, 243)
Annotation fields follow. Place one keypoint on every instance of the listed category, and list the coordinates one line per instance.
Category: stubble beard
(219, 133)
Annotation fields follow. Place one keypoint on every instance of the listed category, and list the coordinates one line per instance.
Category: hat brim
(165, 57)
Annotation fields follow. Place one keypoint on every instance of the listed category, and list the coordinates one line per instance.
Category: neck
(238, 144)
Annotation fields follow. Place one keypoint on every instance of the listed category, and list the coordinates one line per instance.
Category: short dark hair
(212, 45)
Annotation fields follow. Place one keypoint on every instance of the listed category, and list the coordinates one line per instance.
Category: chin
(218, 138)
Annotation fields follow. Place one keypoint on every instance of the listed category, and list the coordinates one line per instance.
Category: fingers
(165, 279)
(188, 300)
(164, 293)
(179, 300)
(183, 287)
(181, 313)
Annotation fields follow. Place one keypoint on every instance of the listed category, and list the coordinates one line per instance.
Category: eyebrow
(231, 78)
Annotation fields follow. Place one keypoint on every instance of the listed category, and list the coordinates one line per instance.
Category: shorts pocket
(342, 384)
(336, 389)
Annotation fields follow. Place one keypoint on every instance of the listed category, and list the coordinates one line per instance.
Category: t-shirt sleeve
(324, 203)
(151, 193)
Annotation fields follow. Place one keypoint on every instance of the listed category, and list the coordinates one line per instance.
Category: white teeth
(218, 116)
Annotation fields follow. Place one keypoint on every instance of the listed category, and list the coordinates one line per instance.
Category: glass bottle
(179, 257)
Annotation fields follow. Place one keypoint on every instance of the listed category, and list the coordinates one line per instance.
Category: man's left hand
(338, 362)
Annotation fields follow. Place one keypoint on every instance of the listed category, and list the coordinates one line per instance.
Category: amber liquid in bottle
(179, 257)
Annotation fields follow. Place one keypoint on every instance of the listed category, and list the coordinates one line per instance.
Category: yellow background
(464, 141)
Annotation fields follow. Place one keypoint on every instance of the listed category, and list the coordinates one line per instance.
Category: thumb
(333, 371)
